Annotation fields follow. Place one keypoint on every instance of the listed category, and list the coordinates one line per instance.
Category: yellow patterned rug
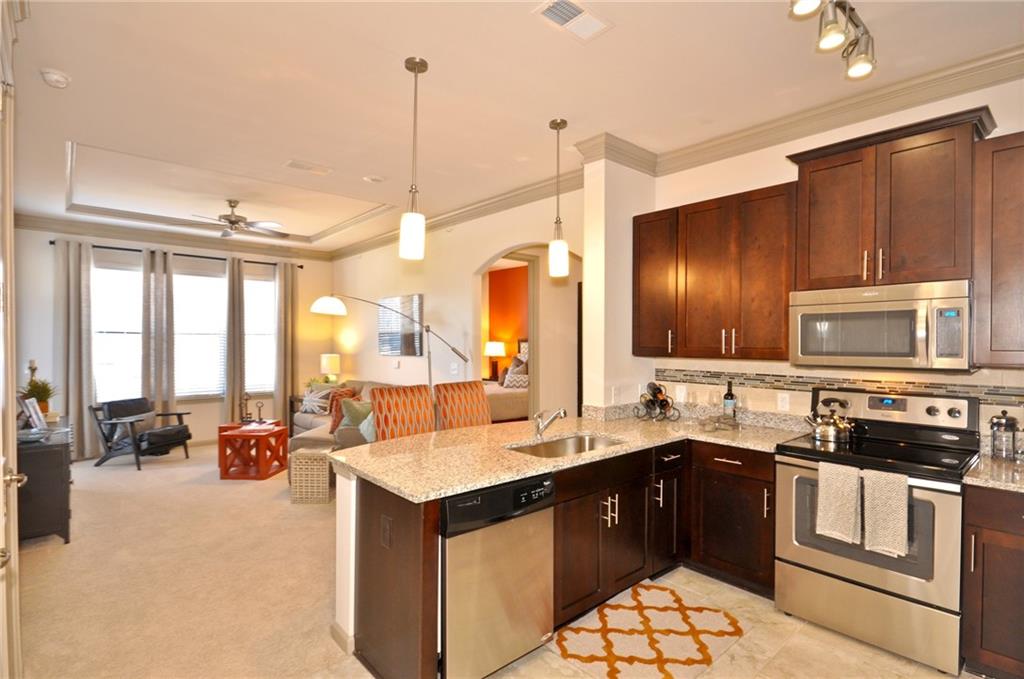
(648, 631)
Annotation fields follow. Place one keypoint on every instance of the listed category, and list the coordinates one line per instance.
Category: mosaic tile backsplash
(988, 394)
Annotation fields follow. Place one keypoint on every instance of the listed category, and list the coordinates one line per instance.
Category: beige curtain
(285, 376)
(73, 343)
(158, 330)
(236, 339)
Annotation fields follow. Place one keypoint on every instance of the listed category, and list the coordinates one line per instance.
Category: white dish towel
(839, 502)
(886, 507)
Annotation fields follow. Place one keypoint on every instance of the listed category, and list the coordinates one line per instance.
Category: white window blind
(398, 336)
(200, 326)
(116, 324)
(260, 328)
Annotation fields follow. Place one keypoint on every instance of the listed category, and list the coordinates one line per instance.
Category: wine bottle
(729, 402)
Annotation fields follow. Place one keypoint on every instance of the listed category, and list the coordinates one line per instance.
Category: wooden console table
(44, 502)
(252, 452)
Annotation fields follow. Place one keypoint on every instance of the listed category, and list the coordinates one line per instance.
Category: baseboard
(343, 640)
(205, 442)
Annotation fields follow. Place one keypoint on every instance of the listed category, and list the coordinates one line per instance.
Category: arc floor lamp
(334, 305)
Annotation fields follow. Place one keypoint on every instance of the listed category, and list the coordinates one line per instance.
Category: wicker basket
(310, 475)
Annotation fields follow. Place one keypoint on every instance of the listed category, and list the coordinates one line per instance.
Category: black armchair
(128, 427)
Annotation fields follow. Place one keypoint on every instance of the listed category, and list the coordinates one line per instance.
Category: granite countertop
(440, 464)
(992, 472)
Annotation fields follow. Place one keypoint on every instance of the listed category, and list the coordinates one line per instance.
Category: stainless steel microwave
(921, 326)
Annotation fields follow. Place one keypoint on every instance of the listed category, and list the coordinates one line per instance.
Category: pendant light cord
(558, 185)
(415, 117)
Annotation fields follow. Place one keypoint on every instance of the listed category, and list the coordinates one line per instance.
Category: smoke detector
(54, 78)
(572, 18)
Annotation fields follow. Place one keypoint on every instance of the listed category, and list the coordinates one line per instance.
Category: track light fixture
(839, 26)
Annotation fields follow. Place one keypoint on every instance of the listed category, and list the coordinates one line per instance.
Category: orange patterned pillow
(335, 407)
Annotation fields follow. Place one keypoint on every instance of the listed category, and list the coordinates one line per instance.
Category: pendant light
(412, 232)
(803, 8)
(558, 248)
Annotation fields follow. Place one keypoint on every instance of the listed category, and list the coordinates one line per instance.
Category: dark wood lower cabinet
(993, 582)
(664, 538)
(733, 525)
(579, 572)
(624, 553)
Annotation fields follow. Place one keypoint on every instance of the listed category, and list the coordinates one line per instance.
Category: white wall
(449, 279)
(34, 260)
(770, 166)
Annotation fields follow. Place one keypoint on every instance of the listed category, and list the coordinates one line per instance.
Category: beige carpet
(172, 572)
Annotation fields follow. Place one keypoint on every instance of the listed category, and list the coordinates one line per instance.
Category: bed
(506, 403)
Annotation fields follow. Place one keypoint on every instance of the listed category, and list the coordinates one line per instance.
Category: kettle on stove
(832, 428)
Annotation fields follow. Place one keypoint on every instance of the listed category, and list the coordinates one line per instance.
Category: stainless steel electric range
(909, 605)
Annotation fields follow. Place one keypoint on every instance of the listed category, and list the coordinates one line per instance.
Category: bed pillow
(356, 411)
(517, 381)
(317, 400)
(519, 367)
(337, 397)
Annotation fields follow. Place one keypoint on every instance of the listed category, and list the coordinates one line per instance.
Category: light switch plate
(782, 401)
(453, 368)
(396, 364)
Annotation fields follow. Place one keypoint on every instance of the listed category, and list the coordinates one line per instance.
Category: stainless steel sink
(570, 445)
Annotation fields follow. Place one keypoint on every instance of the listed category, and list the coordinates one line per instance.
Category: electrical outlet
(453, 368)
(397, 364)
(782, 401)
(680, 393)
(615, 394)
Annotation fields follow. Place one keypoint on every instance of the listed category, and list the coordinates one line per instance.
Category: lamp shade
(558, 258)
(412, 233)
(494, 349)
(330, 305)
(330, 364)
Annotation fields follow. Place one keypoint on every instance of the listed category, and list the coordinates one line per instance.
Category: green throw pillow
(355, 412)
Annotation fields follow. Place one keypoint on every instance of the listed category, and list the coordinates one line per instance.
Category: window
(396, 335)
(117, 324)
(260, 295)
(200, 326)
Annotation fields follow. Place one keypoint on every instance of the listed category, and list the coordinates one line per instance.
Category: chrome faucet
(543, 424)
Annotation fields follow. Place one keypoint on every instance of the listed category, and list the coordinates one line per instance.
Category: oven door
(929, 573)
(867, 334)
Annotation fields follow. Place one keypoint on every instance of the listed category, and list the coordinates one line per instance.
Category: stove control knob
(953, 412)
(932, 410)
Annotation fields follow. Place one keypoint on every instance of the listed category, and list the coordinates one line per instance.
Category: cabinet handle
(607, 519)
(616, 515)
(766, 503)
(670, 341)
(734, 340)
(973, 535)
(864, 267)
(881, 259)
(669, 458)
(728, 461)
(723, 341)
(660, 497)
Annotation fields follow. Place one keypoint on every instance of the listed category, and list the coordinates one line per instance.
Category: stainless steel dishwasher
(497, 589)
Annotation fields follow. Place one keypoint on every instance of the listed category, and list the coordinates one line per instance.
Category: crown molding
(987, 71)
(167, 239)
(570, 181)
(372, 213)
(608, 146)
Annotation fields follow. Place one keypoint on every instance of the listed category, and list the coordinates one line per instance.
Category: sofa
(310, 430)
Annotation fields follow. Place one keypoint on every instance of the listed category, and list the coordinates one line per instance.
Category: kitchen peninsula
(389, 519)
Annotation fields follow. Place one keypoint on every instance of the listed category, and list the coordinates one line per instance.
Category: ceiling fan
(236, 223)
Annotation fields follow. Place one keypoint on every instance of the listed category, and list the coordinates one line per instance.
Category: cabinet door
(994, 601)
(579, 573)
(733, 525)
(655, 277)
(705, 252)
(764, 231)
(624, 552)
(998, 244)
(664, 542)
(835, 223)
(923, 211)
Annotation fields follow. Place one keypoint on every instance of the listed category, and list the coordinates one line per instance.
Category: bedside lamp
(494, 350)
(330, 366)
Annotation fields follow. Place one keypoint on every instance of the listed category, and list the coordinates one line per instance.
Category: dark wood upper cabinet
(705, 253)
(923, 207)
(835, 222)
(998, 244)
(655, 282)
(993, 591)
(763, 271)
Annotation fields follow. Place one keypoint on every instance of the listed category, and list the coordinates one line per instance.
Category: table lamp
(330, 366)
(494, 350)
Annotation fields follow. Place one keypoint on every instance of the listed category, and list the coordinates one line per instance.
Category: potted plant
(41, 390)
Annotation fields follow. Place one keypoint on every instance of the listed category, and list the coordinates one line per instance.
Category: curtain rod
(178, 254)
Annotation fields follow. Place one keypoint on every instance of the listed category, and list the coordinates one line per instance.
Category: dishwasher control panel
(532, 493)
(477, 509)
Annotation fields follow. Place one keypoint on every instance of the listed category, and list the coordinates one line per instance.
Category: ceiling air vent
(311, 168)
(572, 18)
(562, 11)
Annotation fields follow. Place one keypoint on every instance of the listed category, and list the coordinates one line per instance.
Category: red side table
(252, 452)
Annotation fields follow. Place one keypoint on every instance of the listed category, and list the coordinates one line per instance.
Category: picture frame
(35, 415)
